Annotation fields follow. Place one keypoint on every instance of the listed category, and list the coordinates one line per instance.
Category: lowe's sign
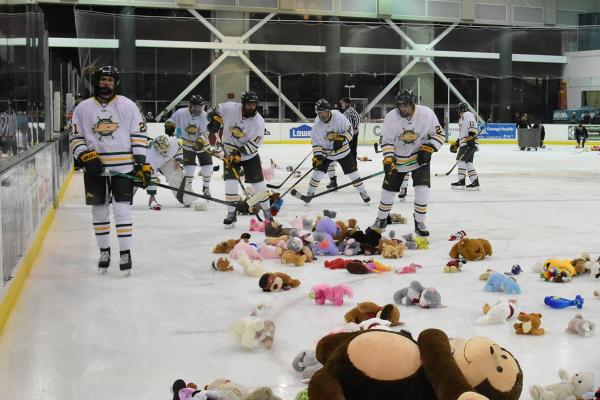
(300, 132)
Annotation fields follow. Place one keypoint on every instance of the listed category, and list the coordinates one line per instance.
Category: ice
(75, 334)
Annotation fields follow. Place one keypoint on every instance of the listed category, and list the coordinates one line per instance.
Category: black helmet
(196, 100)
(461, 107)
(78, 96)
(107, 70)
(406, 96)
(322, 105)
(248, 98)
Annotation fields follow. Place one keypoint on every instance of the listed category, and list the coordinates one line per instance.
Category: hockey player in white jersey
(243, 132)
(109, 134)
(192, 121)
(165, 156)
(411, 134)
(467, 146)
(331, 135)
(354, 118)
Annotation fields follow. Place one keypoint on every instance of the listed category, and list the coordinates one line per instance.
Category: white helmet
(161, 143)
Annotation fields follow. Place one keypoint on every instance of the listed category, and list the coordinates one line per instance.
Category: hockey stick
(200, 196)
(376, 147)
(454, 166)
(290, 175)
(297, 182)
(297, 195)
(237, 177)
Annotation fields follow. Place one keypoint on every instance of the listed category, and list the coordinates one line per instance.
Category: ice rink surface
(74, 334)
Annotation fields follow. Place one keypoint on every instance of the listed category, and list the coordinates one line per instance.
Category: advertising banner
(593, 132)
(497, 131)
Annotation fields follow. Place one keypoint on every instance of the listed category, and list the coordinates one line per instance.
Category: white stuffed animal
(252, 332)
(251, 267)
(497, 313)
(571, 388)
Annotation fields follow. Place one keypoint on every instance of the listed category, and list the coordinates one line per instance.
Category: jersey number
(438, 130)
(142, 127)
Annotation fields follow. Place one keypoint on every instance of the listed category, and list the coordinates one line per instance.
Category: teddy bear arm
(454, 251)
(444, 375)
(324, 386)
(328, 344)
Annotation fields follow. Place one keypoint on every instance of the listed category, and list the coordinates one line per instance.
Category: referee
(354, 118)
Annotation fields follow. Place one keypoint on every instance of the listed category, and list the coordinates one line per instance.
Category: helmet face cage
(196, 104)
(161, 143)
(110, 71)
(323, 110)
(249, 104)
(461, 108)
(403, 98)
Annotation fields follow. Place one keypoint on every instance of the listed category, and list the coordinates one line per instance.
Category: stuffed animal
(367, 310)
(196, 394)
(369, 240)
(349, 247)
(222, 264)
(378, 364)
(485, 276)
(290, 257)
(324, 242)
(497, 313)
(276, 240)
(471, 249)
(580, 326)
(335, 294)
(294, 243)
(256, 226)
(457, 236)
(529, 324)
(582, 264)
(430, 298)
(252, 332)
(569, 388)
(226, 246)
(251, 267)
(276, 281)
(408, 269)
(393, 251)
(514, 270)
(410, 241)
(454, 265)
(422, 243)
(302, 395)
(262, 393)
(227, 389)
(182, 391)
(243, 247)
(366, 267)
(560, 302)
(559, 271)
(418, 294)
(586, 396)
(306, 362)
(269, 252)
(336, 263)
(275, 229)
(391, 239)
(395, 218)
(498, 282)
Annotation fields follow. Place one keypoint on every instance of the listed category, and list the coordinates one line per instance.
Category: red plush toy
(337, 263)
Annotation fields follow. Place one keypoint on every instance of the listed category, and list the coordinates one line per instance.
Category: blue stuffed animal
(324, 244)
(498, 282)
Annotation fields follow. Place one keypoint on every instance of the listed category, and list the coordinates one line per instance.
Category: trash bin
(529, 138)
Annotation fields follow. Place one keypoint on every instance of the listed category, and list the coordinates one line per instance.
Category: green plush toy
(422, 243)
(302, 395)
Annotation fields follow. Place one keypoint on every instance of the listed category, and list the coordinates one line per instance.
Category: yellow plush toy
(471, 249)
(564, 268)
(289, 257)
(393, 251)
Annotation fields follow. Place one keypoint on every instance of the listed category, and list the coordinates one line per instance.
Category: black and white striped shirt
(353, 117)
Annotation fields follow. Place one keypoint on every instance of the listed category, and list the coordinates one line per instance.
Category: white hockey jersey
(115, 130)
(467, 126)
(243, 134)
(322, 135)
(193, 127)
(157, 160)
(402, 137)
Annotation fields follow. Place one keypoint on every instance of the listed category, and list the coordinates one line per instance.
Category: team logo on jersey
(331, 136)
(409, 136)
(192, 129)
(237, 132)
(105, 127)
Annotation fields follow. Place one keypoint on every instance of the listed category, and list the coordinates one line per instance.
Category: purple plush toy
(324, 244)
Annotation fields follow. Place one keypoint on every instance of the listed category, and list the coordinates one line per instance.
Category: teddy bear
(252, 332)
(486, 275)
(369, 240)
(497, 313)
(298, 246)
(226, 246)
(276, 281)
(275, 229)
(251, 267)
(306, 362)
(454, 265)
(569, 388)
(392, 251)
(367, 310)
(337, 263)
(498, 282)
(471, 249)
(290, 257)
(275, 240)
(269, 252)
(334, 294)
(222, 264)
(349, 247)
(391, 239)
(227, 389)
(395, 218)
(384, 365)
(243, 247)
(529, 324)
(582, 264)
(256, 225)
(580, 326)
(416, 293)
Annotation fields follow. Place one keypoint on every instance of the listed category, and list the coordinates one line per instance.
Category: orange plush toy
(471, 249)
(529, 324)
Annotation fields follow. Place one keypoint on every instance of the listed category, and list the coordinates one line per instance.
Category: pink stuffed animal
(268, 173)
(244, 248)
(334, 294)
(408, 269)
(269, 252)
(256, 225)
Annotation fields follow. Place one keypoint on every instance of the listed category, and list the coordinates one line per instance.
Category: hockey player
(467, 146)
(411, 133)
(192, 121)
(164, 155)
(331, 135)
(243, 131)
(354, 118)
(109, 134)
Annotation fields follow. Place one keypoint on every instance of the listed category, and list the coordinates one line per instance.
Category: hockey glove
(169, 128)
(424, 154)
(317, 161)
(454, 147)
(389, 164)
(91, 162)
(200, 144)
(470, 140)
(232, 160)
(339, 142)
(143, 173)
(215, 121)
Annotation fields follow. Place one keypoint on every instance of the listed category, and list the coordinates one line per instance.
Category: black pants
(420, 177)
(252, 170)
(354, 144)
(467, 153)
(348, 164)
(98, 189)
(189, 158)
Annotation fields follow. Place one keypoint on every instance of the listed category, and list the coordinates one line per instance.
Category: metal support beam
(195, 83)
(229, 45)
(256, 27)
(389, 86)
(402, 34)
(442, 35)
(421, 52)
(271, 85)
(207, 24)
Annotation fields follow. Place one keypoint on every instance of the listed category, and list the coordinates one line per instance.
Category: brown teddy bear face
(271, 283)
(362, 312)
(530, 321)
(489, 368)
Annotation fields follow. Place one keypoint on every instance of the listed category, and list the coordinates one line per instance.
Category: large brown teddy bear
(529, 324)
(367, 310)
(471, 249)
(383, 365)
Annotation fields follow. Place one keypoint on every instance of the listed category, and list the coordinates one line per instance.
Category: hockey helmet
(249, 104)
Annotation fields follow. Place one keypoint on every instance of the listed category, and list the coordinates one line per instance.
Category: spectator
(581, 135)
(587, 119)
(542, 134)
(523, 123)
(573, 118)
